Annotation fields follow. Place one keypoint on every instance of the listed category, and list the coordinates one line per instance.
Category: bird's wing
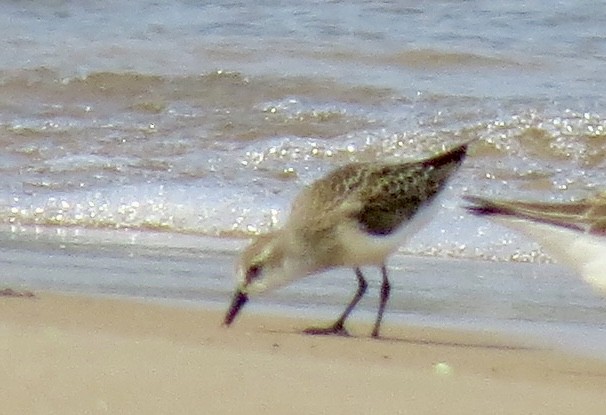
(378, 196)
(587, 215)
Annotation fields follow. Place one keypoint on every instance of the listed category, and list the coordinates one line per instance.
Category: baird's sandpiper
(574, 233)
(357, 215)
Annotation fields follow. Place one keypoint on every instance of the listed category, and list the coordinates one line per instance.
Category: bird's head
(266, 264)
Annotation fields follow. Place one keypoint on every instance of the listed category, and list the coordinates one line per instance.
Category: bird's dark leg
(338, 327)
(385, 290)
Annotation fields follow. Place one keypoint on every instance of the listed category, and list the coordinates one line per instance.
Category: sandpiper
(357, 215)
(574, 233)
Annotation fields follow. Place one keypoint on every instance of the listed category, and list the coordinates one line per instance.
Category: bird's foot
(336, 329)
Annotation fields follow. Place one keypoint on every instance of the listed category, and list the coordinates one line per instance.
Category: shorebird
(355, 216)
(574, 233)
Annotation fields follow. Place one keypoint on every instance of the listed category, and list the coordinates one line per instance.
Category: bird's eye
(252, 273)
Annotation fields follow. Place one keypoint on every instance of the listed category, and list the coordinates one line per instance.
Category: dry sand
(65, 354)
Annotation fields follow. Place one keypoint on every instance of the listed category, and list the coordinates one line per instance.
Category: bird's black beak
(236, 304)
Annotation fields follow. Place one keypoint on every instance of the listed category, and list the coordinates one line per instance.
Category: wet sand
(74, 354)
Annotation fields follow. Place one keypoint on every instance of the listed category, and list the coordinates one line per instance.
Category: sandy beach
(73, 354)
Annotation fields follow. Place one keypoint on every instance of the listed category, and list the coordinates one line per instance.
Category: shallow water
(543, 302)
(204, 120)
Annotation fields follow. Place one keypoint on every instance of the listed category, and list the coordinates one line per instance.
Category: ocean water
(200, 122)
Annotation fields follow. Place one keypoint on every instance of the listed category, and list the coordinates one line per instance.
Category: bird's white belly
(360, 248)
(584, 253)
